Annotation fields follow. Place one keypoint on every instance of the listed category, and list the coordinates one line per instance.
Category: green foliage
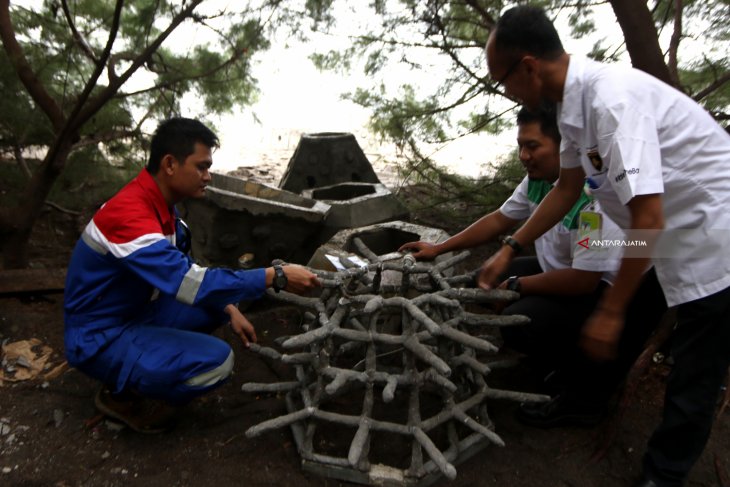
(333, 60)
(319, 11)
(20, 123)
(216, 70)
(87, 182)
(403, 116)
(603, 53)
(581, 22)
(704, 73)
(439, 198)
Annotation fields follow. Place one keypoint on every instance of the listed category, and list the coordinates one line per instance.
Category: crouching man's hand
(240, 325)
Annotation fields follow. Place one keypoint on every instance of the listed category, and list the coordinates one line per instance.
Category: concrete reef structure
(375, 367)
(355, 205)
(327, 158)
(240, 223)
(375, 243)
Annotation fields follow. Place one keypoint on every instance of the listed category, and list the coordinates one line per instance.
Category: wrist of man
(611, 303)
(437, 248)
(610, 310)
(280, 279)
(511, 243)
(514, 284)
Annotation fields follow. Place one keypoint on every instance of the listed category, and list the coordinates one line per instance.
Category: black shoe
(644, 482)
(140, 414)
(552, 383)
(562, 410)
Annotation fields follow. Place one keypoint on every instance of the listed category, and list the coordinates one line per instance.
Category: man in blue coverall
(138, 310)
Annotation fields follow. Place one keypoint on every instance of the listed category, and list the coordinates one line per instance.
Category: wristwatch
(513, 284)
(280, 279)
(509, 240)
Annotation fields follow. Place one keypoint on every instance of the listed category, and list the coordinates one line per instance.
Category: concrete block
(323, 159)
(381, 238)
(240, 223)
(356, 205)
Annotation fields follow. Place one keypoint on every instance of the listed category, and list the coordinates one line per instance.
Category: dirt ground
(51, 435)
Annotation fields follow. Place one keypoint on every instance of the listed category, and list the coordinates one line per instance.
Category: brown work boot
(143, 415)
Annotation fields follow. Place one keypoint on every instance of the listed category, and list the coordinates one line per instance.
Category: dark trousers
(159, 351)
(551, 338)
(701, 352)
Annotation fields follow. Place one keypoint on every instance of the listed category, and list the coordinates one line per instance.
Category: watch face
(280, 280)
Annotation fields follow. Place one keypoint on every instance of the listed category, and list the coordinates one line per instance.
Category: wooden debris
(14, 281)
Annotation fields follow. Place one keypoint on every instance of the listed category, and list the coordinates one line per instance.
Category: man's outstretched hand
(300, 279)
(423, 250)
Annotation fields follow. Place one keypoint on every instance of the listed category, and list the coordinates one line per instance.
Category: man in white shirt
(559, 288)
(661, 166)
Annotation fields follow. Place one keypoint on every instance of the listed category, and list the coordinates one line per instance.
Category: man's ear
(532, 65)
(167, 164)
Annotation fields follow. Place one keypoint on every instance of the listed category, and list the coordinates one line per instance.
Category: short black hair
(177, 136)
(546, 115)
(527, 29)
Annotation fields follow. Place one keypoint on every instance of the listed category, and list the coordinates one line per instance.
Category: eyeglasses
(508, 73)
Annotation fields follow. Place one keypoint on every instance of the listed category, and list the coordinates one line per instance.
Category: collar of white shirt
(571, 109)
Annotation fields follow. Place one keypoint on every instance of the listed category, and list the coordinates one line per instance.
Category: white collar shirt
(558, 248)
(634, 135)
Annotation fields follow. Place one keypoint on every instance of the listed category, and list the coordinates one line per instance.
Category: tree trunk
(642, 39)
(16, 224)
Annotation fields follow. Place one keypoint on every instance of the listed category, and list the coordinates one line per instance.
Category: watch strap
(510, 240)
(280, 280)
(514, 284)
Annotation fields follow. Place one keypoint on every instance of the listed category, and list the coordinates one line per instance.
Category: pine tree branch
(488, 19)
(674, 43)
(171, 83)
(712, 87)
(25, 72)
(95, 104)
(83, 45)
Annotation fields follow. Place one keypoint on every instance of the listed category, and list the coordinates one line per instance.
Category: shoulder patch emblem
(595, 159)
